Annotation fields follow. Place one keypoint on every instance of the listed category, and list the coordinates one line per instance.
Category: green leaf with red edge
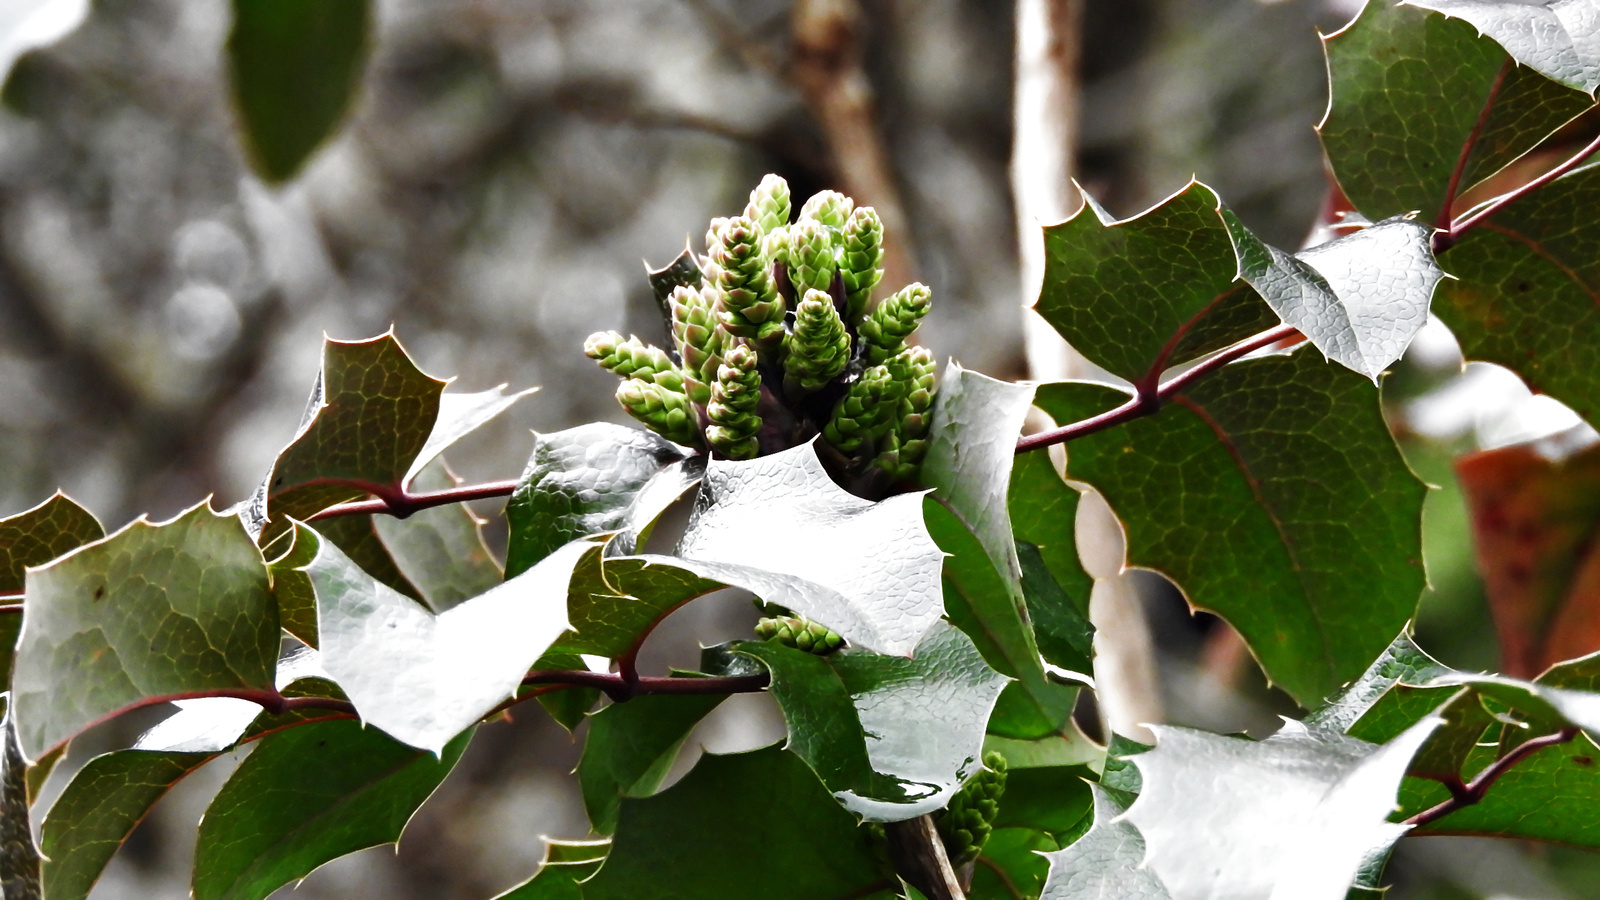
(1536, 524)
(1272, 493)
(1527, 291)
(151, 611)
(892, 738)
(630, 747)
(1408, 89)
(1119, 292)
(99, 808)
(33, 538)
(715, 833)
(371, 414)
(309, 795)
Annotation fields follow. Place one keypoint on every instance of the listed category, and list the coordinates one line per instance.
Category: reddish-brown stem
(405, 503)
(1454, 187)
(1474, 791)
(1444, 240)
(619, 689)
(272, 701)
(11, 603)
(1146, 401)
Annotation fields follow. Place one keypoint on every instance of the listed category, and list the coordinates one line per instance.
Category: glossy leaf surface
(153, 610)
(1044, 514)
(1554, 37)
(630, 747)
(1106, 862)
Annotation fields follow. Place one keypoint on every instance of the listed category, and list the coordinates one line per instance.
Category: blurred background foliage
(504, 167)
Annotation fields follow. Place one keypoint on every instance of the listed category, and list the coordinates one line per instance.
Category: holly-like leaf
(613, 602)
(99, 808)
(1051, 799)
(631, 746)
(371, 414)
(1106, 862)
(1292, 816)
(440, 550)
(1119, 292)
(893, 738)
(979, 603)
(1011, 862)
(424, 678)
(33, 538)
(1044, 513)
(19, 856)
(778, 526)
(684, 271)
(1553, 37)
(1402, 662)
(1273, 494)
(976, 423)
(1536, 524)
(755, 824)
(306, 796)
(459, 416)
(292, 590)
(295, 66)
(1360, 298)
(1409, 89)
(151, 611)
(565, 864)
(1525, 292)
(592, 479)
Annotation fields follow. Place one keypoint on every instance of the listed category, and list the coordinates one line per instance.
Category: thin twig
(1454, 187)
(1145, 403)
(620, 689)
(1444, 240)
(405, 503)
(1474, 791)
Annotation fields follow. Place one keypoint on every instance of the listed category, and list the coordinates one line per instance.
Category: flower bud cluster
(775, 341)
(966, 823)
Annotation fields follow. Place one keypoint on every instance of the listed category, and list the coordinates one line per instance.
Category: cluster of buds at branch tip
(777, 342)
(799, 633)
(966, 823)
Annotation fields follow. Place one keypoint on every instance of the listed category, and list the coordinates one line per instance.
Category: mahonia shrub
(926, 631)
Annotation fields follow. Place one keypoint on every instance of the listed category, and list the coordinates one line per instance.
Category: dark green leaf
(1120, 291)
(1061, 627)
(371, 414)
(440, 550)
(421, 677)
(565, 864)
(1044, 513)
(41, 534)
(869, 571)
(1013, 853)
(1402, 662)
(19, 856)
(978, 602)
(1121, 774)
(684, 271)
(753, 824)
(1050, 799)
(306, 796)
(291, 587)
(631, 746)
(893, 738)
(976, 423)
(1273, 494)
(99, 809)
(592, 479)
(1292, 816)
(295, 66)
(151, 611)
(1553, 37)
(1106, 862)
(613, 602)
(1525, 294)
(1408, 89)
(1549, 796)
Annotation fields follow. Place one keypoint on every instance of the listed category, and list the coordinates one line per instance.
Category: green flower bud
(662, 410)
(884, 332)
(860, 265)
(831, 208)
(818, 348)
(800, 633)
(902, 449)
(751, 307)
(865, 411)
(775, 246)
(700, 340)
(633, 358)
(732, 410)
(769, 204)
(811, 260)
(966, 823)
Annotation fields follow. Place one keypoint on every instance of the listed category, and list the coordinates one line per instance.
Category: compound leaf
(755, 824)
(1273, 494)
(151, 611)
(893, 738)
(309, 795)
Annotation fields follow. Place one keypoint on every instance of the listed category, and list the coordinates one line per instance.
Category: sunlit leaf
(153, 610)
(459, 416)
(893, 738)
(1106, 862)
(306, 796)
(1554, 37)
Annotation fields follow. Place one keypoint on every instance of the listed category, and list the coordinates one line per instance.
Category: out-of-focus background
(506, 167)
